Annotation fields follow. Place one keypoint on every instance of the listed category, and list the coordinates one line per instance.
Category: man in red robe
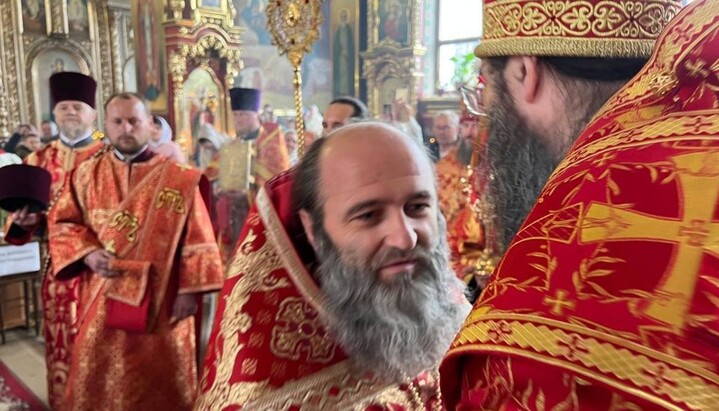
(74, 97)
(133, 228)
(606, 298)
(340, 294)
(245, 164)
(458, 181)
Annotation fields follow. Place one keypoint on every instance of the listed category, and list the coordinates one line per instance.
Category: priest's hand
(25, 219)
(185, 306)
(99, 263)
(403, 110)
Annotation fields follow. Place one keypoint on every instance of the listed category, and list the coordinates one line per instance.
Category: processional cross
(294, 25)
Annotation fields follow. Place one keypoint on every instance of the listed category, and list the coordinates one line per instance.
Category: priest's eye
(417, 209)
(366, 217)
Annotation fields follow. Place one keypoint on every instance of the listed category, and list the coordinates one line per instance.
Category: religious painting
(345, 46)
(210, 3)
(202, 102)
(150, 54)
(77, 16)
(33, 16)
(265, 69)
(47, 63)
(394, 20)
(252, 16)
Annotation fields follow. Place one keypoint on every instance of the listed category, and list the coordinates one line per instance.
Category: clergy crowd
(557, 246)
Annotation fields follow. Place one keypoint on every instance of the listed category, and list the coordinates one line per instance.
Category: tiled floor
(24, 355)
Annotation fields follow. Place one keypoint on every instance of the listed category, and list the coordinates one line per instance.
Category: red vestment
(449, 185)
(269, 157)
(608, 296)
(458, 193)
(268, 348)
(59, 298)
(150, 214)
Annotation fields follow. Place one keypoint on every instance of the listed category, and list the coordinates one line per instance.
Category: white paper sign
(18, 259)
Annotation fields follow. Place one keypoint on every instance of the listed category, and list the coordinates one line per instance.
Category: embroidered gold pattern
(559, 302)
(249, 366)
(573, 28)
(263, 260)
(298, 332)
(607, 223)
(172, 199)
(598, 355)
(123, 220)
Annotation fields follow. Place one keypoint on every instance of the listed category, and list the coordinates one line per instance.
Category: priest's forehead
(369, 156)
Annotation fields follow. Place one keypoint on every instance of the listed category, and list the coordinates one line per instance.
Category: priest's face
(445, 131)
(469, 129)
(337, 115)
(128, 123)
(392, 301)
(245, 121)
(74, 118)
(380, 200)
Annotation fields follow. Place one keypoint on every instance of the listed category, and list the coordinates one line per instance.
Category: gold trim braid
(571, 28)
(631, 368)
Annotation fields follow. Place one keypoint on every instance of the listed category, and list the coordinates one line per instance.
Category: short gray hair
(450, 115)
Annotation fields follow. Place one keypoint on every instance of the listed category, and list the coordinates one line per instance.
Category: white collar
(128, 157)
(74, 143)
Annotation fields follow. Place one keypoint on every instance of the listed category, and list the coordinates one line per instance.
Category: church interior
(197, 66)
(184, 55)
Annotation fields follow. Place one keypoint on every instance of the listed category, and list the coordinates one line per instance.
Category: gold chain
(299, 119)
(417, 398)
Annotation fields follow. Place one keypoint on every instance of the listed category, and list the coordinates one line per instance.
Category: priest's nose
(401, 233)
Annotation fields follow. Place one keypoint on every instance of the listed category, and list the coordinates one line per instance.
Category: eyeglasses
(472, 100)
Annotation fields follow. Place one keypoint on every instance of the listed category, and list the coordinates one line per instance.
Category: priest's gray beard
(520, 161)
(398, 329)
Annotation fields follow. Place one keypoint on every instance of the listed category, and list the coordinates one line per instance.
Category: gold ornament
(295, 25)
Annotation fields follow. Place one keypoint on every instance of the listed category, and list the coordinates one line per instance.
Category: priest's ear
(307, 224)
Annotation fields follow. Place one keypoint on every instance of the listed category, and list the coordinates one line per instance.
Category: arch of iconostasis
(203, 50)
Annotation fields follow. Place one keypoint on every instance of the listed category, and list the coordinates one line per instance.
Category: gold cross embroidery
(693, 234)
(559, 302)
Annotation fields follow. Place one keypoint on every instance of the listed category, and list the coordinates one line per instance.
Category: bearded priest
(340, 294)
(606, 299)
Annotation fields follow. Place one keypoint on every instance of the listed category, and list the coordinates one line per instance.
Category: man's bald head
(367, 199)
(357, 147)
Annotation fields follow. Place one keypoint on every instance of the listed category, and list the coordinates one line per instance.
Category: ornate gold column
(116, 19)
(393, 61)
(58, 24)
(11, 47)
(4, 121)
